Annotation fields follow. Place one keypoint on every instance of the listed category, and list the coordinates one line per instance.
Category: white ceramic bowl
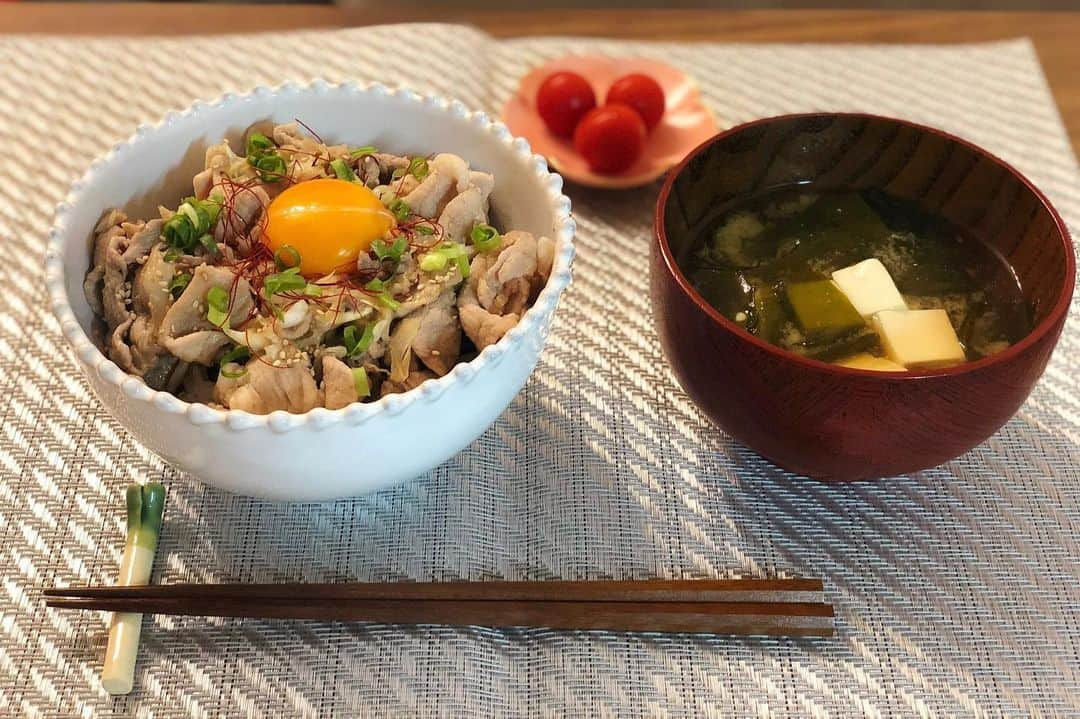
(322, 454)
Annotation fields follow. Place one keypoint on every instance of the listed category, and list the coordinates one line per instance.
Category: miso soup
(862, 279)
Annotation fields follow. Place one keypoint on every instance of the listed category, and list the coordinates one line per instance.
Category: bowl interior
(158, 165)
(942, 173)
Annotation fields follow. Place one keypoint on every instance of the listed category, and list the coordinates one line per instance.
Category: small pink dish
(685, 125)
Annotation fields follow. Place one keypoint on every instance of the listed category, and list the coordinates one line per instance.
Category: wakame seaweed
(753, 261)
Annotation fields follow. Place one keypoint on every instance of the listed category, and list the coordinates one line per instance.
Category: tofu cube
(865, 360)
(821, 309)
(869, 287)
(919, 339)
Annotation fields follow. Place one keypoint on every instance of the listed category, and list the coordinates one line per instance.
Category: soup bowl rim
(1053, 317)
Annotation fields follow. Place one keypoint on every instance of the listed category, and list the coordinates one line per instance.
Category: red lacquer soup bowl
(833, 422)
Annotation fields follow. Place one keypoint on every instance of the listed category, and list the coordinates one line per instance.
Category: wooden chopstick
(764, 618)
(790, 607)
(653, 590)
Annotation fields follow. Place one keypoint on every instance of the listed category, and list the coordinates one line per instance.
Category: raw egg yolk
(329, 222)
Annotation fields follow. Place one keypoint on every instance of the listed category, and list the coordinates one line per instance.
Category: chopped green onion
(270, 166)
(203, 214)
(192, 214)
(400, 208)
(209, 244)
(425, 229)
(287, 256)
(485, 238)
(178, 232)
(433, 262)
(418, 167)
(258, 142)
(212, 205)
(343, 171)
(179, 282)
(398, 173)
(285, 281)
(239, 353)
(236, 354)
(361, 151)
(384, 296)
(392, 251)
(312, 290)
(172, 255)
(262, 154)
(352, 340)
(356, 343)
(217, 306)
(191, 224)
(360, 381)
(231, 374)
(437, 259)
(145, 506)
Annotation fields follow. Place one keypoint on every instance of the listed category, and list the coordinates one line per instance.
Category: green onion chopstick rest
(144, 509)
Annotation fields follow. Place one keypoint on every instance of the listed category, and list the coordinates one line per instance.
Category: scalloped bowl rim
(135, 389)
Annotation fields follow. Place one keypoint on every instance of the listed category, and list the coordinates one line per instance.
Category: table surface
(1054, 33)
(955, 588)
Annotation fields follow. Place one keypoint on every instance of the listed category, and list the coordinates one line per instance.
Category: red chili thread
(259, 263)
(310, 131)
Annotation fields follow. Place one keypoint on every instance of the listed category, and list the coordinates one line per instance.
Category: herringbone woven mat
(957, 589)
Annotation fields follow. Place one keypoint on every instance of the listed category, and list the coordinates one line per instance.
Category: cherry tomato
(563, 99)
(642, 93)
(610, 138)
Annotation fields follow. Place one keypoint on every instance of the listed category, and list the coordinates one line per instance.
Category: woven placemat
(957, 589)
